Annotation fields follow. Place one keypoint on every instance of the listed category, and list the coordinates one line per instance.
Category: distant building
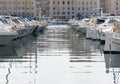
(118, 7)
(103, 5)
(112, 7)
(88, 8)
(42, 7)
(23, 8)
(67, 9)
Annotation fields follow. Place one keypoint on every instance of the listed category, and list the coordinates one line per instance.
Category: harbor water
(59, 55)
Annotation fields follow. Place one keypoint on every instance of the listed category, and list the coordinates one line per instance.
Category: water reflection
(58, 56)
(112, 63)
(9, 71)
(84, 50)
(54, 42)
(20, 48)
(18, 61)
(66, 57)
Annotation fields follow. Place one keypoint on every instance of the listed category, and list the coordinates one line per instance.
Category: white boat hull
(25, 31)
(96, 35)
(7, 37)
(112, 44)
(89, 33)
(102, 38)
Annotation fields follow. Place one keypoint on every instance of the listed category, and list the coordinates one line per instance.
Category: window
(72, 2)
(83, 8)
(18, 2)
(82, 3)
(72, 17)
(68, 8)
(86, 8)
(86, 3)
(0, 2)
(72, 8)
(68, 12)
(58, 13)
(63, 8)
(117, 8)
(68, 2)
(95, 3)
(95, 13)
(63, 13)
(91, 2)
(117, 3)
(53, 8)
(63, 2)
(58, 2)
(53, 2)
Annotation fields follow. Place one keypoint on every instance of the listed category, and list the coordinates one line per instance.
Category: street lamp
(39, 13)
(101, 11)
(51, 14)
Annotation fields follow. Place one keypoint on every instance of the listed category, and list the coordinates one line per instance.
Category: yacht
(83, 24)
(112, 42)
(7, 34)
(107, 27)
(22, 26)
(93, 27)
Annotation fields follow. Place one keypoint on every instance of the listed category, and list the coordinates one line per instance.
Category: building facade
(88, 8)
(43, 8)
(103, 5)
(23, 8)
(67, 9)
(112, 6)
(118, 7)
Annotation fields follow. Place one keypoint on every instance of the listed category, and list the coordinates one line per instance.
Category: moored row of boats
(12, 28)
(103, 29)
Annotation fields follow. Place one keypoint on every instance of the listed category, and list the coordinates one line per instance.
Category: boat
(93, 29)
(112, 42)
(22, 26)
(73, 23)
(107, 27)
(82, 25)
(7, 34)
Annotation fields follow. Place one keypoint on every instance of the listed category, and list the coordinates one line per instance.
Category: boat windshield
(100, 21)
(26, 20)
(15, 20)
(111, 21)
(21, 19)
(4, 21)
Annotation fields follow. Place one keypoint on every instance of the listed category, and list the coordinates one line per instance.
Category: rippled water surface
(60, 55)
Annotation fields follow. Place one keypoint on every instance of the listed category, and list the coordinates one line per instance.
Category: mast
(3, 7)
